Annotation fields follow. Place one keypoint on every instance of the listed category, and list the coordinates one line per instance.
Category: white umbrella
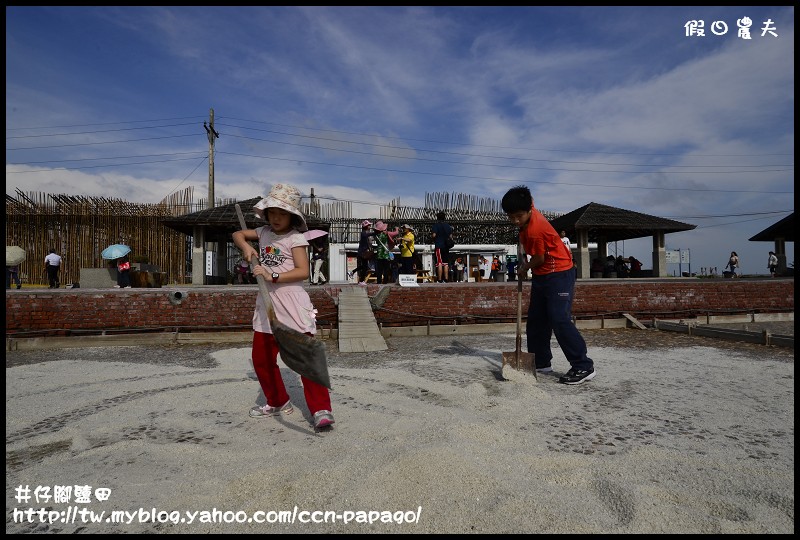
(14, 255)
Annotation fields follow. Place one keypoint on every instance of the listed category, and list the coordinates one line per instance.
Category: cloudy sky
(617, 106)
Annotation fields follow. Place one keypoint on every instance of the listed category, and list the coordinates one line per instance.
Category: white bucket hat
(285, 197)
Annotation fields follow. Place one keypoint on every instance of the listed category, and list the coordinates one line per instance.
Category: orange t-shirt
(538, 238)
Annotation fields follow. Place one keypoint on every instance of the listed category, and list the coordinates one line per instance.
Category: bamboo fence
(79, 228)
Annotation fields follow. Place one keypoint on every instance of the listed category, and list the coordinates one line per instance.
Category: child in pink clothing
(283, 262)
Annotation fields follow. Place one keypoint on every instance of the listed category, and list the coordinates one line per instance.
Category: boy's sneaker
(546, 369)
(323, 419)
(577, 376)
(266, 410)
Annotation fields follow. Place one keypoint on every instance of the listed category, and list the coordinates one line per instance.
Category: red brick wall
(73, 311)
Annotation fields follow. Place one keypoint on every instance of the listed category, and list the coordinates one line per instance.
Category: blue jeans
(12, 276)
(550, 312)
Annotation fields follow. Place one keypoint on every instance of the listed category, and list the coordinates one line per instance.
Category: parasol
(314, 233)
(14, 255)
(115, 251)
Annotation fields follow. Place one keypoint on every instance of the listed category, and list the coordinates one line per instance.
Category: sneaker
(323, 419)
(546, 369)
(577, 376)
(362, 283)
(266, 410)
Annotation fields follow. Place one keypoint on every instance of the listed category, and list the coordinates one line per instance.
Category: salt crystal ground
(676, 434)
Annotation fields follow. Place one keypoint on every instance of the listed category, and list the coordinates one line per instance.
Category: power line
(731, 215)
(185, 178)
(106, 123)
(101, 166)
(405, 148)
(395, 157)
(469, 155)
(504, 147)
(99, 142)
(95, 159)
(731, 223)
(96, 131)
(471, 177)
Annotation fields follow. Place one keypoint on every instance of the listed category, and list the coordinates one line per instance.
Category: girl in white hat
(283, 263)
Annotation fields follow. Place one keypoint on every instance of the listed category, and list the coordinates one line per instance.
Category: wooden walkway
(358, 330)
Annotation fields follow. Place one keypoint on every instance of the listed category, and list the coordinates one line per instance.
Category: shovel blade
(302, 353)
(523, 362)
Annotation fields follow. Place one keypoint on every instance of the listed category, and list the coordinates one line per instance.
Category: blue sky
(614, 105)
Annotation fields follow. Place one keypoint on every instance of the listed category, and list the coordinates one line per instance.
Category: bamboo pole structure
(78, 228)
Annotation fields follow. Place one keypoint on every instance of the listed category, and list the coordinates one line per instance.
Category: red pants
(265, 364)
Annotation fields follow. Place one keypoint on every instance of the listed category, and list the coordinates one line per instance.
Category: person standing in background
(52, 263)
(511, 268)
(636, 265)
(621, 266)
(458, 270)
(406, 249)
(494, 268)
(242, 272)
(123, 272)
(319, 252)
(733, 264)
(384, 255)
(772, 264)
(442, 232)
(365, 253)
(12, 274)
(565, 239)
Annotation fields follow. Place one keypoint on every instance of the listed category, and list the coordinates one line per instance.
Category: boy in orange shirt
(552, 288)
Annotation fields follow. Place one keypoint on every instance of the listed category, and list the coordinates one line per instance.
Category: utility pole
(212, 134)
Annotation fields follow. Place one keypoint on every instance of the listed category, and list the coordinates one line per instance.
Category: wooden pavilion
(780, 233)
(600, 223)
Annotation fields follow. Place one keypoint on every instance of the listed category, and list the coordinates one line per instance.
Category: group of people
(52, 267)
(283, 262)
(734, 265)
(381, 259)
(618, 266)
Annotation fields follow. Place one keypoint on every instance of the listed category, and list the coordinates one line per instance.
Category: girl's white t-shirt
(290, 301)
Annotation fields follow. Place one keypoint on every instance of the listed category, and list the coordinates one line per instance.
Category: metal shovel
(520, 362)
(302, 353)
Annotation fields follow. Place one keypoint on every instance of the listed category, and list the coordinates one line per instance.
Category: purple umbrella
(314, 233)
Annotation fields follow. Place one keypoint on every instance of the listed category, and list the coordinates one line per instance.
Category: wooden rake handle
(262, 285)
